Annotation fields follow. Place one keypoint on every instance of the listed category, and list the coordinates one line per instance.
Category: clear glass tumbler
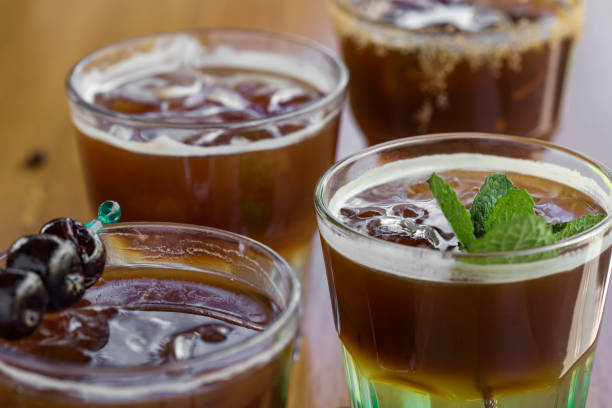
(106, 351)
(422, 67)
(426, 328)
(193, 145)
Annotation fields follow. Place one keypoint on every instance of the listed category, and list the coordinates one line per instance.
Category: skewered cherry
(23, 300)
(88, 245)
(57, 263)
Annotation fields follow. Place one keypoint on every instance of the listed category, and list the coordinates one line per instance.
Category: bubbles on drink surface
(209, 96)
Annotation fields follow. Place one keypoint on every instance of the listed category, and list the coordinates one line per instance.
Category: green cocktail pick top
(108, 213)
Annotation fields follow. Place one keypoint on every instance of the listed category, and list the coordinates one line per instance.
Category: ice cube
(401, 230)
(194, 100)
(178, 84)
(145, 89)
(228, 99)
(287, 96)
(418, 14)
(182, 347)
(198, 341)
(369, 212)
(410, 211)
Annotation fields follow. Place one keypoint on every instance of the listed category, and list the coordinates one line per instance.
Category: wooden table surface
(41, 39)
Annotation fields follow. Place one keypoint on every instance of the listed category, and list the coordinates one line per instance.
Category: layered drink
(181, 316)
(422, 322)
(227, 129)
(434, 66)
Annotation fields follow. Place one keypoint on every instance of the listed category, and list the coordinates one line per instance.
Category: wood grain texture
(41, 39)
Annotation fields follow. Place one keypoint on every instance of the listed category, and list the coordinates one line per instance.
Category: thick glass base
(366, 391)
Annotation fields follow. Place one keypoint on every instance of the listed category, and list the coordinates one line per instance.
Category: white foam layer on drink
(184, 51)
(428, 264)
(165, 145)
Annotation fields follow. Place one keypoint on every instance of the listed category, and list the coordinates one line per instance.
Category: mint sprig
(565, 230)
(502, 219)
(514, 204)
(494, 187)
(528, 231)
(456, 214)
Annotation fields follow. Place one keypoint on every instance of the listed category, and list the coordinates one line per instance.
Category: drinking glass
(164, 170)
(252, 372)
(425, 328)
(422, 67)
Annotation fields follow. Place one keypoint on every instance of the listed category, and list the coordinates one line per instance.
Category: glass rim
(327, 99)
(45, 365)
(323, 210)
(343, 6)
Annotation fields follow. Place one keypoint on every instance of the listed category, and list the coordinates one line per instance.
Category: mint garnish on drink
(565, 230)
(502, 217)
(528, 231)
(512, 205)
(495, 187)
(453, 210)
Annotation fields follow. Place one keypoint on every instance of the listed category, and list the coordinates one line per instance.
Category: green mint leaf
(494, 187)
(456, 214)
(559, 226)
(564, 230)
(528, 231)
(515, 203)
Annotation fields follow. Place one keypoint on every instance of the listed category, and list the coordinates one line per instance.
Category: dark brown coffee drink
(221, 128)
(425, 323)
(433, 66)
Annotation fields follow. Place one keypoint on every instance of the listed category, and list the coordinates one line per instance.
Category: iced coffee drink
(427, 317)
(433, 66)
(228, 129)
(181, 316)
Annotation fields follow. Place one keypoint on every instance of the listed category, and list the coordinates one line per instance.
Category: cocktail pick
(108, 213)
(50, 271)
